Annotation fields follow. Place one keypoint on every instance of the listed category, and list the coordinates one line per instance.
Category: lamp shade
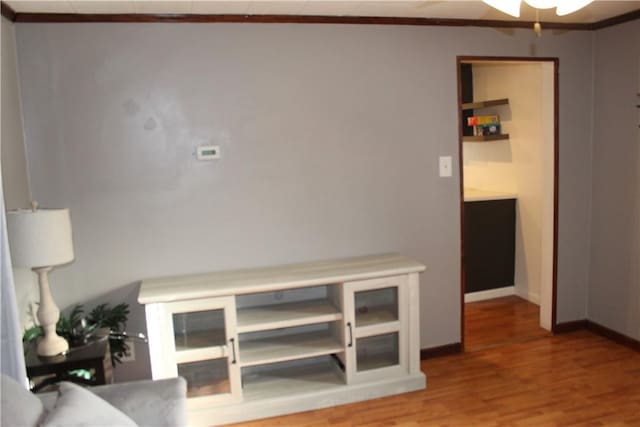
(40, 238)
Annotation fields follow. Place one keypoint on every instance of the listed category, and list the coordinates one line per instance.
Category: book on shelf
(491, 129)
(483, 120)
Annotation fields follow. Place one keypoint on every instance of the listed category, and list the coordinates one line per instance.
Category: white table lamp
(41, 239)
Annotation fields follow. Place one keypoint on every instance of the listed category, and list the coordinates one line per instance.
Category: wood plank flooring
(576, 379)
(501, 321)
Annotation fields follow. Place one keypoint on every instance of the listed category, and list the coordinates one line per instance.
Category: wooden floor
(531, 379)
(500, 321)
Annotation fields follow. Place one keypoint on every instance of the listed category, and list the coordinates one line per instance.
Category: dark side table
(94, 357)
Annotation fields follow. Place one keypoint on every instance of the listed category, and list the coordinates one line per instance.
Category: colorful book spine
(482, 120)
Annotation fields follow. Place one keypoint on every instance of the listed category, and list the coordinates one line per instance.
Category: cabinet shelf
(287, 347)
(200, 339)
(279, 380)
(377, 315)
(286, 315)
(485, 138)
(203, 377)
(485, 104)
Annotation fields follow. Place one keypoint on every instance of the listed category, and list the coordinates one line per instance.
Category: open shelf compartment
(279, 348)
(262, 318)
(299, 376)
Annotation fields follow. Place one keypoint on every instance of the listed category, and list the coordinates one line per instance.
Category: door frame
(555, 62)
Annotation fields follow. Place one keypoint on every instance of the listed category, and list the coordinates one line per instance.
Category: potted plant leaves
(101, 321)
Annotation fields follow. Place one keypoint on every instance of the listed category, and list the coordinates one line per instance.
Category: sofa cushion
(19, 407)
(150, 403)
(77, 406)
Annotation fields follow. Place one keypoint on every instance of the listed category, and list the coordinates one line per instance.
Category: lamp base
(52, 345)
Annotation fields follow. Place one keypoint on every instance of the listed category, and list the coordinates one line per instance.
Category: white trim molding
(489, 294)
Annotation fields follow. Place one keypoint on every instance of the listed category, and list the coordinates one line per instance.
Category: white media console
(263, 342)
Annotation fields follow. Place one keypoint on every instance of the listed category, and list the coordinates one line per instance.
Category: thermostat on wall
(208, 152)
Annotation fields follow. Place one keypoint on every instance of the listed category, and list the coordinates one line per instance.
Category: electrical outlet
(130, 354)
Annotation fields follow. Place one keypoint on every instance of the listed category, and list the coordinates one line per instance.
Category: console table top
(244, 281)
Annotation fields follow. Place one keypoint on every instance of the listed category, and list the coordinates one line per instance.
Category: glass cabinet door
(376, 306)
(199, 329)
(204, 348)
(377, 351)
(375, 321)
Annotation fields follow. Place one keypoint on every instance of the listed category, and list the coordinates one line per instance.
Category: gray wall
(330, 139)
(14, 168)
(614, 292)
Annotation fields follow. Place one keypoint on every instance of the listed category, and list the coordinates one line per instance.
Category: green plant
(116, 320)
(65, 326)
(77, 329)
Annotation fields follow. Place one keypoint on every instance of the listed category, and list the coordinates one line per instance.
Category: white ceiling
(457, 9)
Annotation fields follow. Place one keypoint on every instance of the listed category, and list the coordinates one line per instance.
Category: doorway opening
(508, 126)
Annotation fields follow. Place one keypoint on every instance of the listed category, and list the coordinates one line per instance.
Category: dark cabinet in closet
(489, 244)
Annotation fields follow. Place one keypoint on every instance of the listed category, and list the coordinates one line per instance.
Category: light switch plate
(445, 166)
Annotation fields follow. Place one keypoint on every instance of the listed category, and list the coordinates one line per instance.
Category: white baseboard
(529, 296)
(490, 294)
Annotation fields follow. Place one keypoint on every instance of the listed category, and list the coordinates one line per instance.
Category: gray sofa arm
(159, 403)
(149, 403)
